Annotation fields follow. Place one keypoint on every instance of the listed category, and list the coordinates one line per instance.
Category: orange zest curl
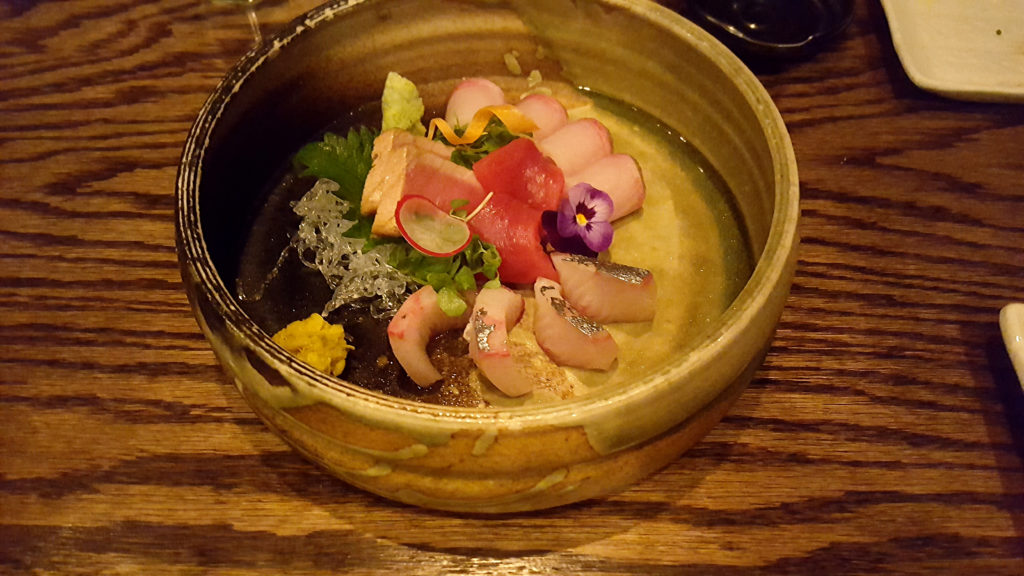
(510, 116)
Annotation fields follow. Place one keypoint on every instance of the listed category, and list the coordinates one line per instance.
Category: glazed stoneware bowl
(486, 460)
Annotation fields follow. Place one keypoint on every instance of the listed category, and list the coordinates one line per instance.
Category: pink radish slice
(429, 229)
(577, 145)
(469, 96)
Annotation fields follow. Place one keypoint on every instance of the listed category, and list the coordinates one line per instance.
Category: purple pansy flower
(581, 224)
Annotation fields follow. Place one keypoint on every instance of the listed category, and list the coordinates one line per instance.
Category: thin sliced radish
(429, 229)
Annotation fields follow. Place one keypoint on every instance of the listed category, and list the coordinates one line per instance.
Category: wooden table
(885, 432)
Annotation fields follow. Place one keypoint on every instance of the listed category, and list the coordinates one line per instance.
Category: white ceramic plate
(964, 49)
(1011, 321)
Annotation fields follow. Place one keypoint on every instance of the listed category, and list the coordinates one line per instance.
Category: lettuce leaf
(449, 276)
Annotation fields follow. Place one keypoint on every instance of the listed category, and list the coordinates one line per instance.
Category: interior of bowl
(335, 60)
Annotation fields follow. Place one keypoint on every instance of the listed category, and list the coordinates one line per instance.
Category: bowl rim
(773, 265)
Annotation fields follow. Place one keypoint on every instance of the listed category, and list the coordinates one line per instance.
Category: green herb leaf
(457, 206)
(495, 136)
(464, 279)
(451, 275)
(451, 302)
(346, 161)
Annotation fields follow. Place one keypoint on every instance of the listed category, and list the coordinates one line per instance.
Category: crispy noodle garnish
(352, 273)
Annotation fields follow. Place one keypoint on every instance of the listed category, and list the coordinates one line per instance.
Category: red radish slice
(429, 229)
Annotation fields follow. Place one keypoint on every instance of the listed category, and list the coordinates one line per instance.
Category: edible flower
(581, 226)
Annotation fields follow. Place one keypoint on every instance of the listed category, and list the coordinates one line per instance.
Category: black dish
(772, 29)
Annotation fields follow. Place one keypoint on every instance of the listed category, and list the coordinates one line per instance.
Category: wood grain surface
(884, 433)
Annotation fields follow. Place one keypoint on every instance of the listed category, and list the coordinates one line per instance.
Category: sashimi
(568, 337)
(518, 169)
(469, 96)
(618, 176)
(392, 150)
(495, 312)
(546, 112)
(577, 145)
(513, 228)
(438, 179)
(525, 181)
(417, 321)
(443, 182)
(604, 291)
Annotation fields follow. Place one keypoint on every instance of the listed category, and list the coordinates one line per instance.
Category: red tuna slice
(514, 229)
(604, 291)
(577, 145)
(417, 321)
(617, 175)
(442, 182)
(469, 96)
(519, 170)
(568, 337)
(546, 112)
(495, 312)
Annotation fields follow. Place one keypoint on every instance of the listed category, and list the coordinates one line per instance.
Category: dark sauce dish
(772, 29)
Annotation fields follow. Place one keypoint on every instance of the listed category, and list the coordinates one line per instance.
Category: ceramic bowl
(486, 460)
